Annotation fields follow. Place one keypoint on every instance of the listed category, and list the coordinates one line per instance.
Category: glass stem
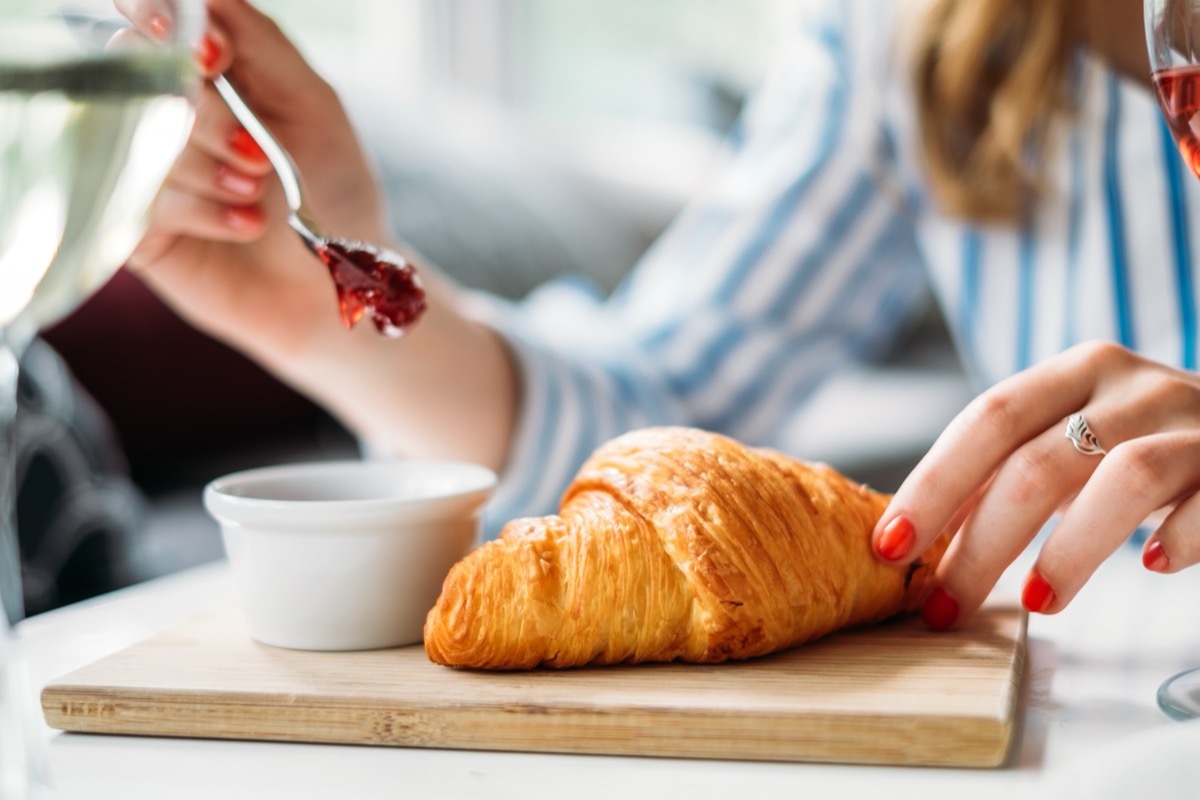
(10, 559)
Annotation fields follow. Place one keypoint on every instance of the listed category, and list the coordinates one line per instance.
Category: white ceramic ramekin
(346, 555)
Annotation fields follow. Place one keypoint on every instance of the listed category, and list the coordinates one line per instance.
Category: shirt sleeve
(796, 260)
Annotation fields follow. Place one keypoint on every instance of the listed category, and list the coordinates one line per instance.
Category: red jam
(376, 283)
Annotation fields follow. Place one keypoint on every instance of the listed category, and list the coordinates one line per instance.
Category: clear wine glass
(92, 116)
(1173, 40)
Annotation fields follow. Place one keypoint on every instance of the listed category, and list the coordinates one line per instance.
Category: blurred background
(517, 140)
(523, 138)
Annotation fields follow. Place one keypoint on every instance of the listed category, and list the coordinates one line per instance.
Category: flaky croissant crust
(674, 544)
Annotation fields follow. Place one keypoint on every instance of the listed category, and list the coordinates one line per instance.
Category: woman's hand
(218, 247)
(1005, 465)
(220, 251)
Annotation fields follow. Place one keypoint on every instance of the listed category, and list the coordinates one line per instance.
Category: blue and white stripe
(820, 243)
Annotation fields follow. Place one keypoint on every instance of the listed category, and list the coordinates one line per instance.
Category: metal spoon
(371, 281)
(300, 219)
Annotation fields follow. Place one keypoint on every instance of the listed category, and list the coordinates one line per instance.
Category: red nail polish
(207, 52)
(940, 611)
(242, 142)
(896, 539)
(1037, 595)
(1154, 558)
(244, 218)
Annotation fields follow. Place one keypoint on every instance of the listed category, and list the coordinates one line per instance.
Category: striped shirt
(820, 243)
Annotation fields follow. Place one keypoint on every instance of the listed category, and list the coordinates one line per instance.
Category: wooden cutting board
(888, 694)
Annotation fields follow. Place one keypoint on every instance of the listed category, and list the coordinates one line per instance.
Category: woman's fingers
(217, 186)
(1026, 490)
(153, 18)
(1145, 414)
(218, 134)
(1176, 543)
(200, 174)
(977, 442)
(183, 213)
(1133, 480)
(270, 73)
(157, 20)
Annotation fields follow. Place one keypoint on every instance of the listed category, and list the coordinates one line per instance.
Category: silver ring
(1081, 436)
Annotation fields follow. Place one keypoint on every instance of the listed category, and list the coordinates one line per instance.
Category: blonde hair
(990, 84)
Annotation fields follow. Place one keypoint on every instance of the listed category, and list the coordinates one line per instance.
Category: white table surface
(1088, 724)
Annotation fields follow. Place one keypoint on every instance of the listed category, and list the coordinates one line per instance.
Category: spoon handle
(289, 176)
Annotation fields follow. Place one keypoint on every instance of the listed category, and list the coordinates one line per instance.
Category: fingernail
(207, 52)
(940, 611)
(244, 218)
(1154, 558)
(896, 539)
(1037, 595)
(159, 27)
(242, 142)
(236, 182)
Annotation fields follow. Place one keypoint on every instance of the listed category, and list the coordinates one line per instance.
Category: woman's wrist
(446, 388)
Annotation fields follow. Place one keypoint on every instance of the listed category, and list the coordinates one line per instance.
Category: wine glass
(1173, 41)
(92, 117)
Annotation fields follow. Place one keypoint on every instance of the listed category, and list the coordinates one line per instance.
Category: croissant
(674, 544)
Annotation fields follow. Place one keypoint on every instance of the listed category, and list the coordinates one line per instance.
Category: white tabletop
(1088, 724)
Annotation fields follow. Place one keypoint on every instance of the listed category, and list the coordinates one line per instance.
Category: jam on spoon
(373, 282)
